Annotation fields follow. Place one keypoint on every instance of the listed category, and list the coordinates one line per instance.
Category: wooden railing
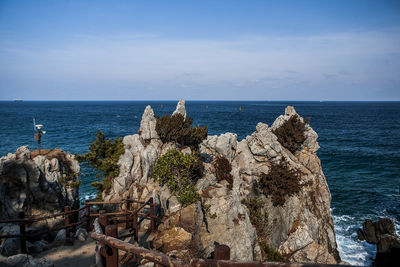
(132, 220)
(110, 245)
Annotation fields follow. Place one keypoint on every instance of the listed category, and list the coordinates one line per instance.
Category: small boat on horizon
(17, 100)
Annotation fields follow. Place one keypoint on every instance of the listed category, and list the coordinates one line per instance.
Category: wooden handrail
(131, 219)
(153, 256)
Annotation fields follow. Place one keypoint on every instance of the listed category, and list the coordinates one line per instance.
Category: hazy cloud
(144, 66)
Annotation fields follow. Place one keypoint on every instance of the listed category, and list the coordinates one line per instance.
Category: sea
(360, 146)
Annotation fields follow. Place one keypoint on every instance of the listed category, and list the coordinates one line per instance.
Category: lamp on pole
(38, 132)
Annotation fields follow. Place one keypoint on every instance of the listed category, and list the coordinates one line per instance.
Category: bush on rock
(180, 130)
(291, 133)
(223, 170)
(280, 182)
(179, 172)
(103, 156)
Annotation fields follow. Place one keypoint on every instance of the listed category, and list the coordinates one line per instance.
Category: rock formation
(383, 234)
(37, 185)
(301, 229)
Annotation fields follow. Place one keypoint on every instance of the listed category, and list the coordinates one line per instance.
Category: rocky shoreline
(245, 211)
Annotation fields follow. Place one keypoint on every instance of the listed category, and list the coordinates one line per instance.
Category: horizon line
(190, 100)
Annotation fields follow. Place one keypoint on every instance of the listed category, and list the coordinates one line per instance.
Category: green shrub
(271, 254)
(258, 218)
(291, 133)
(103, 156)
(223, 170)
(280, 182)
(180, 130)
(179, 172)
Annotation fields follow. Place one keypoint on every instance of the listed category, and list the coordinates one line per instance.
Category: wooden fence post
(111, 252)
(88, 218)
(152, 219)
(68, 241)
(128, 223)
(22, 233)
(222, 252)
(135, 226)
(103, 220)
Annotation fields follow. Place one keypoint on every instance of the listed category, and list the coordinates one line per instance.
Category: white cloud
(252, 62)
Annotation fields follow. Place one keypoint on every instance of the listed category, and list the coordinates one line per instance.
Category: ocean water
(360, 146)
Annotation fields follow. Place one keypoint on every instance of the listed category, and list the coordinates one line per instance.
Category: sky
(200, 50)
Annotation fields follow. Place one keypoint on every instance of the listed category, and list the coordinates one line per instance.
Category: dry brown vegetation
(291, 133)
(223, 170)
(280, 182)
(180, 130)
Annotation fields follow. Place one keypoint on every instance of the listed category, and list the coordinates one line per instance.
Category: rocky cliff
(38, 185)
(253, 213)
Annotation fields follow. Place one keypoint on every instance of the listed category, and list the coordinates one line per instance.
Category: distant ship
(17, 100)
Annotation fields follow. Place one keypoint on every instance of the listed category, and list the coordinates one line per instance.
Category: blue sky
(222, 50)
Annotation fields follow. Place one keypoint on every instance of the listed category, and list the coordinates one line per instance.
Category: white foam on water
(88, 197)
(350, 249)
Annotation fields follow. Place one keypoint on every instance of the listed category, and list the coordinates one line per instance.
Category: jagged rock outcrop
(180, 109)
(383, 234)
(301, 228)
(39, 185)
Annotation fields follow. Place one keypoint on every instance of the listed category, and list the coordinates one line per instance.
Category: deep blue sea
(360, 145)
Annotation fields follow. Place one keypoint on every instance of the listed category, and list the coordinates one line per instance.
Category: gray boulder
(81, 234)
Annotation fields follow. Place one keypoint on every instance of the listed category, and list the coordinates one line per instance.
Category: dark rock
(369, 232)
(383, 234)
(391, 258)
(384, 226)
(360, 234)
(387, 242)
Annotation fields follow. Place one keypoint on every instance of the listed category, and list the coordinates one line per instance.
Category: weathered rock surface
(383, 234)
(180, 108)
(301, 229)
(37, 186)
(147, 128)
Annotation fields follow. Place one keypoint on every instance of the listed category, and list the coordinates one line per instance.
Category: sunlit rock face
(301, 228)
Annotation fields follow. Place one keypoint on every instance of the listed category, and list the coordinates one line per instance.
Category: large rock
(37, 186)
(383, 234)
(223, 145)
(301, 229)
